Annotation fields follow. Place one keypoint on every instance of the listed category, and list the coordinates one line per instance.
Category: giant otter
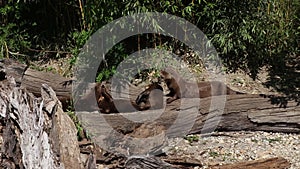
(98, 98)
(152, 98)
(180, 88)
(109, 105)
(153, 95)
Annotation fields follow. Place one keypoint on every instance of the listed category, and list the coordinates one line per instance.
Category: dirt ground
(244, 83)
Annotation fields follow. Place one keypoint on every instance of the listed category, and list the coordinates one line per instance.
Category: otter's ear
(104, 90)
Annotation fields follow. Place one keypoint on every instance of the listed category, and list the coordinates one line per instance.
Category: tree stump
(36, 132)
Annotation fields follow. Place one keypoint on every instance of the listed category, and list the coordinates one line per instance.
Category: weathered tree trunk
(37, 133)
(241, 112)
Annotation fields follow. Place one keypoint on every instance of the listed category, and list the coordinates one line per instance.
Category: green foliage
(192, 138)
(12, 38)
(213, 154)
(76, 40)
(105, 74)
(248, 35)
(80, 131)
(112, 59)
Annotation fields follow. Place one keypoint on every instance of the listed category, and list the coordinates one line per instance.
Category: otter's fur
(152, 96)
(179, 88)
(109, 105)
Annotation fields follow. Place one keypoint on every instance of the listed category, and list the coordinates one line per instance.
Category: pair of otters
(152, 97)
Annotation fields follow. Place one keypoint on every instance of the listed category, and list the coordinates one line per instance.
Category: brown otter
(109, 105)
(153, 95)
(179, 88)
(152, 98)
(98, 98)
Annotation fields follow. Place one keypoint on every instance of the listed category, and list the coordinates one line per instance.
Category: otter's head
(165, 75)
(102, 94)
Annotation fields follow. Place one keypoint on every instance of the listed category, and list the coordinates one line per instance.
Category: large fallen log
(241, 112)
(32, 80)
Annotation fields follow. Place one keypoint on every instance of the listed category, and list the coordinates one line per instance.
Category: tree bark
(37, 133)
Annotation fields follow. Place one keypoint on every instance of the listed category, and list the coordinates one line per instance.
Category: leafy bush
(248, 35)
(13, 40)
